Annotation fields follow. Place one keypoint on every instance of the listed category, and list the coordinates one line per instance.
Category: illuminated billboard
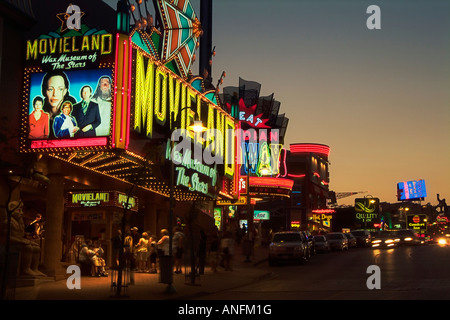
(411, 190)
(56, 108)
(68, 90)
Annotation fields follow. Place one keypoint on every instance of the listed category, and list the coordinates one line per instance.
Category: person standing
(142, 253)
(227, 245)
(202, 252)
(87, 114)
(163, 243)
(178, 244)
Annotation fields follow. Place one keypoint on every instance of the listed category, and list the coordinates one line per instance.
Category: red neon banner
(271, 182)
(70, 143)
(310, 148)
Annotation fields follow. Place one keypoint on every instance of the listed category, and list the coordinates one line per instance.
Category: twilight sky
(379, 98)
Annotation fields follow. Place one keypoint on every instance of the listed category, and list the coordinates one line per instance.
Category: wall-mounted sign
(163, 102)
(238, 202)
(218, 217)
(247, 115)
(261, 215)
(68, 86)
(94, 199)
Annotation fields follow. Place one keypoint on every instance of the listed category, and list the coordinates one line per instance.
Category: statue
(442, 205)
(29, 249)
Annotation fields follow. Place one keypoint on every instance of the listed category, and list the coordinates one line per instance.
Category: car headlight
(408, 239)
(376, 241)
(389, 241)
(442, 241)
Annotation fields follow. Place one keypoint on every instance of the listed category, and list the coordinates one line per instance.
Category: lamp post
(196, 127)
(248, 243)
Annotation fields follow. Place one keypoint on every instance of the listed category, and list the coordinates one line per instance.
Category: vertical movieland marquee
(122, 92)
(68, 81)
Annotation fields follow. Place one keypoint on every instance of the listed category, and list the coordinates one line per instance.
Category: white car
(288, 246)
(337, 241)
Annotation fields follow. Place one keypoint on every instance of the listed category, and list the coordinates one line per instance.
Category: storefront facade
(121, 147)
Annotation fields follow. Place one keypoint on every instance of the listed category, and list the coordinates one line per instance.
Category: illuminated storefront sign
(247, 115)
(295, 224)
(417, 222)
(91, 199)
(367, 209)
(260, 152)
(261, 215)
(239, 202)
(191, 173)
(165, 104)
(218, 217)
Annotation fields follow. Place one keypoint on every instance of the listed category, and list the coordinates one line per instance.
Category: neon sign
(320, 149)
(263, 157)
(247, 115)
(88, 199)
(191, 173)
(85, 50)
(165, 101)
(59, 68)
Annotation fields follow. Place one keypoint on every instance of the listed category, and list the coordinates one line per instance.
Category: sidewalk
(148, 287)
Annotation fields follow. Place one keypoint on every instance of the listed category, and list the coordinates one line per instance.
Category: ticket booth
(95, 215)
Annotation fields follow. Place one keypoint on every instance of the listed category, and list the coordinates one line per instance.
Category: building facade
(112, 161)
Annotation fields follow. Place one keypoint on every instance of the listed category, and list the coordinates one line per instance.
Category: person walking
(227, 246)
(178, 244)
(202, 252)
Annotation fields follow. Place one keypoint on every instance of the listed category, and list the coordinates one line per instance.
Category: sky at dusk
(379, 98)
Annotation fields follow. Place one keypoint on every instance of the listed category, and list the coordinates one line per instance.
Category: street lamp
(197, 127)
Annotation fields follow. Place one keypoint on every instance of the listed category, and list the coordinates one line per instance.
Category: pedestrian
(214, 252)
(135, 239)
(227, 246)
(163, 243)
(98, 260)
(128, 255)
(202, 252)
(116, 243)
(178, 244)
(142, 253)
(85, 258)
(152, 253)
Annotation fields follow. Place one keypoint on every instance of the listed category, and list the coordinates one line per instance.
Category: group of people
(141, 251)
(58, 115)
(91, 255)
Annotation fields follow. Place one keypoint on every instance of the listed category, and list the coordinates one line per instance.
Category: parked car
(321, 243)
(337, 241)
(288, 246)
(351, 240)
(363, 237)
(409, 237)
(385, 239)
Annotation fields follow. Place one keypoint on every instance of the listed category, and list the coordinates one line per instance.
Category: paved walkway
(148, 286)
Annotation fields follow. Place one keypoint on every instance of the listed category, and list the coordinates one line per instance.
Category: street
(406, 272)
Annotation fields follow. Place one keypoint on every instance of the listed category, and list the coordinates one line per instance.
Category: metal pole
(170, 288)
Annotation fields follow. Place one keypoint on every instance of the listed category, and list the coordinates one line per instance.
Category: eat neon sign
(248, 116)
